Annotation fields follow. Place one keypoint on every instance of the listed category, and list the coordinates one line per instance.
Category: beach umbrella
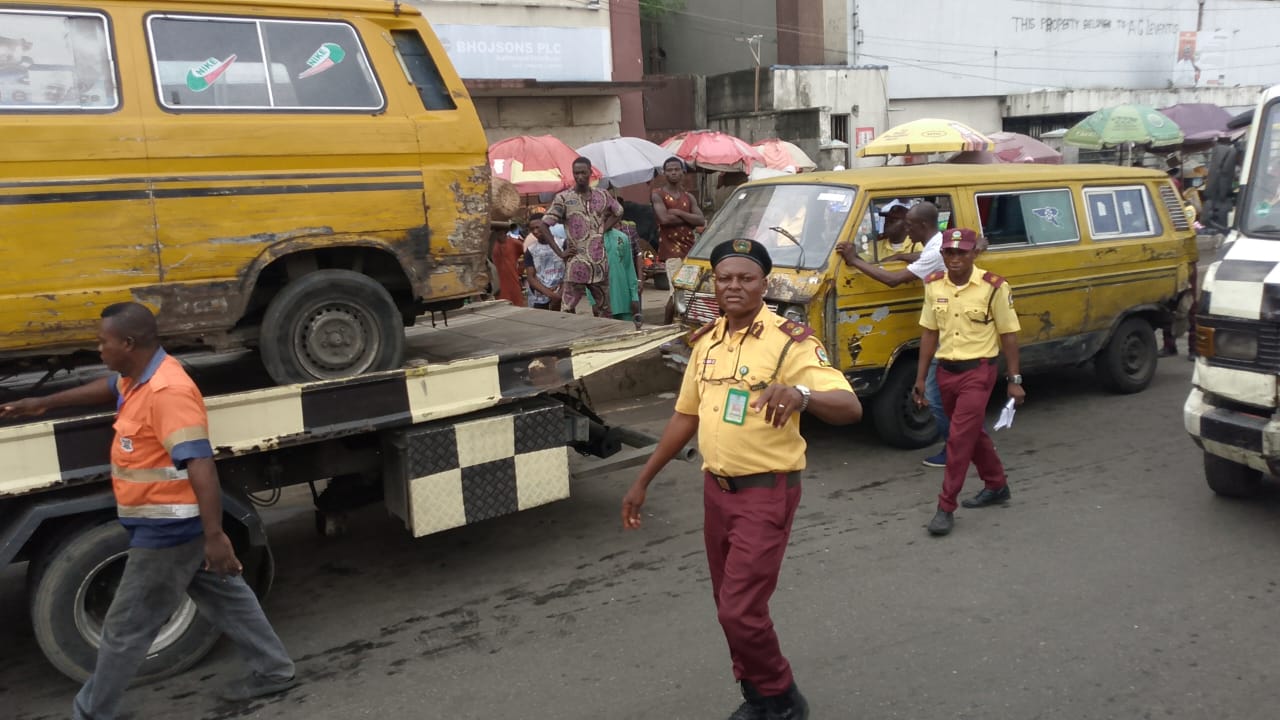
(927, 135)
(625, 161)
(711, 150)
(534, 164)
(1199, 122)
(1018, 148)
(1124, 124)
(782, 155)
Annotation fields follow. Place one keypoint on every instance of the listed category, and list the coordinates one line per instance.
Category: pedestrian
(508, 260)
(543, 266)
(586, 213)
(624, 283)
(678, 218)
(968, 320)
(1220, 185)
(921, 223)
(752, 375)
(169, 500)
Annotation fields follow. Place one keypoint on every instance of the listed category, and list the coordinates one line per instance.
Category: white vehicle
(1232, 409)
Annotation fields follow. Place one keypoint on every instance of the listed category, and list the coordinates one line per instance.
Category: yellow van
(1098, 257)
(301, 175)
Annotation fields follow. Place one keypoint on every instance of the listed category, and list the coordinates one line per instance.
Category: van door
(268, 136)
(1034, 241)
(75, 215)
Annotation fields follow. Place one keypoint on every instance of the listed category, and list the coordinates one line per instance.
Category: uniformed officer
(750, 376)
(968, 319)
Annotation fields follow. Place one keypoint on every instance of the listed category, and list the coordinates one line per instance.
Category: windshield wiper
(787, 234)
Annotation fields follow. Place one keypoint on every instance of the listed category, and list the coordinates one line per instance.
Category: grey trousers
(152, 587)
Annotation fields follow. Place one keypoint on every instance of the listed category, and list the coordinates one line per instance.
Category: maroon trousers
(964, 397)
(746, 535)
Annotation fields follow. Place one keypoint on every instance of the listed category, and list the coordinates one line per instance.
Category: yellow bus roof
(357, 6)
(939, 174)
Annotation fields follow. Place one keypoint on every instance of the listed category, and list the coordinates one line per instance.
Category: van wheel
(71, 591)
(1231, 479)
(898, 420)
(331, 324)
(1128, 362)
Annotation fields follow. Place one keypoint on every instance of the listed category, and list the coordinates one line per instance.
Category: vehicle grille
(1268, 359)
(703, 308)
(1173, 204)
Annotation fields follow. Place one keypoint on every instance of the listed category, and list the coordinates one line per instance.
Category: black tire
(661, 282)
(70, 595)
(1231, 479)
(898, 421)
(1128, 362)
(341, 304)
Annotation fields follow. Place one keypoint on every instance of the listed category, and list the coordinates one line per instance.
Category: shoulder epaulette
(794, 330)
(935, 276)
(993, 279)
(696, 334)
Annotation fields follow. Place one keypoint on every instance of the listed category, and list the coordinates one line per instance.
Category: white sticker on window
(1127, 206)
(1102, 209)
(832, 196)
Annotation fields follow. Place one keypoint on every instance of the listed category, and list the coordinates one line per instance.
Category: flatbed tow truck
(487, 417)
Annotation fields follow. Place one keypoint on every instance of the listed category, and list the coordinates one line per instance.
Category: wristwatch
(804, 393)
(1014, 379)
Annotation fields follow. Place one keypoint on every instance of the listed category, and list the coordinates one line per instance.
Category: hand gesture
(1018, 394)
(220, 556)
(917, 394)
(26, 407)
(847, 251)
(632, 502)
(779, 402)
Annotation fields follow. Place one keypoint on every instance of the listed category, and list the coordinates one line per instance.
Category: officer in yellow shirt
(751, 375)
(968, 319)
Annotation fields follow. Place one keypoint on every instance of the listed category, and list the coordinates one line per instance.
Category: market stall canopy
(927, 135)
(1199, 122)
(711, 150)
(782, 155)
(625, 161)
(534, 164)
(1113, 126)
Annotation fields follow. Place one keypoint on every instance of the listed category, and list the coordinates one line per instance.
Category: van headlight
(795, 313)
(682, 301)
(1235, 345)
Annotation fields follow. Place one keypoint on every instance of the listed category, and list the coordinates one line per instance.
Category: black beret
(742, 247)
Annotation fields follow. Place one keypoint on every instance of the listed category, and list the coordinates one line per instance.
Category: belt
(759, 480)
(959, 366)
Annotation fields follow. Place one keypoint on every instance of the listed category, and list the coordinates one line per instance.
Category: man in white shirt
(922, 227)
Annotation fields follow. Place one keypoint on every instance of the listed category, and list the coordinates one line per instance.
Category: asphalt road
(1114, 585)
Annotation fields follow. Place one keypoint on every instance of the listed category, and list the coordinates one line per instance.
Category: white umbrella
(625, 160)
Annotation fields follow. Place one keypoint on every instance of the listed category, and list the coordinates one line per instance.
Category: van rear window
(204, 63)
(56, 60)
(1118, 212)
(421, 69)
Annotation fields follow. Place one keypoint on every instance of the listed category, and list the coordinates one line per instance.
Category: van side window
(1120, 212)
(218, 63)
(1035, 217)
(422, 70)
(56, 60)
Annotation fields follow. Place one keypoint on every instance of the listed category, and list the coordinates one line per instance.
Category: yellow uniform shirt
(884, 248)
(749, 358)
(969, 318)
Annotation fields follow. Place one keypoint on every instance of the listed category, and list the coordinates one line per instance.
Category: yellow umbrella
(927, 135)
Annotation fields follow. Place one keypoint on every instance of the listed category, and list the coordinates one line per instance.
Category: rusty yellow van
(1098, 257)
(304, 176)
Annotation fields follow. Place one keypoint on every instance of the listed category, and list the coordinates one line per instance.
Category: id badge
(735, 406)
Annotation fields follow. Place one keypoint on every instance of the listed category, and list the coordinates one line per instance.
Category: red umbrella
(534, 164)
(1019, 148)
(710, 150)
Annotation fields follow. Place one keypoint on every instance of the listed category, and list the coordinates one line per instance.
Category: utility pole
(753, 44)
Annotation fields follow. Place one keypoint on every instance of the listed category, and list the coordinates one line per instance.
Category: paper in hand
(1006, 416)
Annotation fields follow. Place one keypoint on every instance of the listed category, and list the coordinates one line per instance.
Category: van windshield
(814, 215)
(1261, 206)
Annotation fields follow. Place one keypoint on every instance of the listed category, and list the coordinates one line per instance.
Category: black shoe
(987, 497)
(941, 523)
(790, 705)
(753, 708)
(255, 686)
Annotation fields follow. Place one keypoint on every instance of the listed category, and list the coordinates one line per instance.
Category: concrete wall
(575, 120)
(1062, 102)
(983, 114)
(700, 40)
(673, 104)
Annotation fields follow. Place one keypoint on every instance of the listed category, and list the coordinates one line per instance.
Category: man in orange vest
(169, 499)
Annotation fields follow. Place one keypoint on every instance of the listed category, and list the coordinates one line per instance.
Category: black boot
(753, 708)
(790, 705)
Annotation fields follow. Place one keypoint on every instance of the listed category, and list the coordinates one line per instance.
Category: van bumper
(1239, 436)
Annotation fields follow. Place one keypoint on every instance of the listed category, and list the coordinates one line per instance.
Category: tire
(661, 282)
(70, 595)
(331, 324)
(898, 421)
(1231, 479)
(1128, 362)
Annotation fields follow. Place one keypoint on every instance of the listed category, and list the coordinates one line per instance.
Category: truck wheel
(1128, 362)
(898, 421)
(331, 324)
(1231, 479)
(71, 592)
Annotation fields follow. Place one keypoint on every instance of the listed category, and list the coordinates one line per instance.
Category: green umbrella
(1138, 124)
